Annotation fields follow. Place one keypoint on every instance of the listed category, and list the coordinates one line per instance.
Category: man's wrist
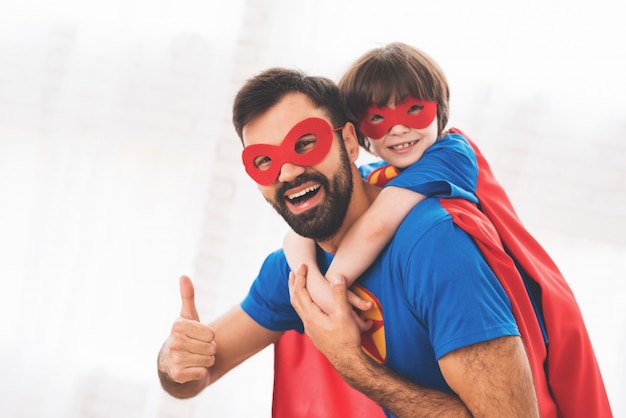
(174, 388)
(351, 364)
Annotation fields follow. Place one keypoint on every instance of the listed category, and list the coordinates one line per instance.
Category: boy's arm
(448, 168)
(372, 232)
(299, 250)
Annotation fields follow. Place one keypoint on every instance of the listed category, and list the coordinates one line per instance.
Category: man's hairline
(327, 116)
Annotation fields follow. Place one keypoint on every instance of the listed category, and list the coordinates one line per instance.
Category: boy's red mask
(401, 115)
(306, 144)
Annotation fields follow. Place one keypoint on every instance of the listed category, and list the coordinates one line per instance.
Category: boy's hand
(319, 289)
(358, 303)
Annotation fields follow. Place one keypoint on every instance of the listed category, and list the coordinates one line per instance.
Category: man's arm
(196, 355)
(492, 378)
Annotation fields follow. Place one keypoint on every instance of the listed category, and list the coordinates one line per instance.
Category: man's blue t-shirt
(434, 290)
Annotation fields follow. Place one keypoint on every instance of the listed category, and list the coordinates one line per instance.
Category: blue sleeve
(457, 293)
(447, 169)
(268, 302)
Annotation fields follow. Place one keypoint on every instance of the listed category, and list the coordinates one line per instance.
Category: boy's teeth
(303, 192)
(402, 146)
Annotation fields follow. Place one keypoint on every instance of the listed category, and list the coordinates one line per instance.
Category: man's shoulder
(273, 268)
(427, 215)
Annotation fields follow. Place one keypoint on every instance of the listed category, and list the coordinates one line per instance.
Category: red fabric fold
(572, 371)
(307, 385)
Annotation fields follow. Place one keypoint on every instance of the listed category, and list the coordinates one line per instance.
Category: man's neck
(363, 194)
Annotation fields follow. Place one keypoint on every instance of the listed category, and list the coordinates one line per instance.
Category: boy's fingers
(359, 303)
(341, 297)
(363, 323)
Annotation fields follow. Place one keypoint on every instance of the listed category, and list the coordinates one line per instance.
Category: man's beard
(324, 220)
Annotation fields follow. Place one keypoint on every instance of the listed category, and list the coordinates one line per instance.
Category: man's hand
(189, 350)
(337, 334)
(320, 291)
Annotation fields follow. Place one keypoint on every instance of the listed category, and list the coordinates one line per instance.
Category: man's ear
(351, 141)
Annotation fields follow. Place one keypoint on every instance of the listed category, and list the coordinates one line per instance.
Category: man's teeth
(303, 192)
(405, 145)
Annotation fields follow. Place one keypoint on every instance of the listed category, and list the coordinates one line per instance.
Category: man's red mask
(306, 144)
(417, 114)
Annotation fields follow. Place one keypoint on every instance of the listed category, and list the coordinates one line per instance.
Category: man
(301, 150)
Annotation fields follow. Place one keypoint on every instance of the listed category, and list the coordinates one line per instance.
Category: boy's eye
(263, 162)
(375, 118)
(414, 110)
(305, 144)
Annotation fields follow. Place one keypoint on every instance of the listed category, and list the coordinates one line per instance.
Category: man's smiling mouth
(303, 194)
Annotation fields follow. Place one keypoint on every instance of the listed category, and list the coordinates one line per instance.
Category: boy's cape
(565, 371)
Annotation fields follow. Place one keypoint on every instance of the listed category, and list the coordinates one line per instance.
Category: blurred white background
(120, 171)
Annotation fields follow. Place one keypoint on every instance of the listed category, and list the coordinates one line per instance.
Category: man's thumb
(188, 310)
(338, 288)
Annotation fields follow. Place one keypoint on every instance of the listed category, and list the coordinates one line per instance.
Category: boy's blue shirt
(447, 169)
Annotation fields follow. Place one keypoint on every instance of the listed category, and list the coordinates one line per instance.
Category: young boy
(404, 126)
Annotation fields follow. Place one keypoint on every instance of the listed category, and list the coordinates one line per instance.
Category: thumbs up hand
(189, 351)
(187, 295)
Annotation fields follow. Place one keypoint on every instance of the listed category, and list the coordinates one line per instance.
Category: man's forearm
(398, 395)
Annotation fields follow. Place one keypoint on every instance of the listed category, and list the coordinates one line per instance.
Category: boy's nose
(398, 130)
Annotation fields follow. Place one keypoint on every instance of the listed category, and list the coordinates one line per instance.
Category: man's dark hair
(264, 90)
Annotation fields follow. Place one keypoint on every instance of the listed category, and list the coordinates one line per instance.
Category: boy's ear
(351, 141)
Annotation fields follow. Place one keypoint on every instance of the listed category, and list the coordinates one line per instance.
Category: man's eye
(305, 144)
(375, 119)
(415, 109)
(263, 162)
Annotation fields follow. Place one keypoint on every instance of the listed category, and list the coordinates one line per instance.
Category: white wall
(119, 171)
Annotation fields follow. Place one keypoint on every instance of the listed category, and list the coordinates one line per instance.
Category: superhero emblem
(373, 340)
(381, 176)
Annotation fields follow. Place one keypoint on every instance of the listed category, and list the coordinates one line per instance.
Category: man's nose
(289, 171)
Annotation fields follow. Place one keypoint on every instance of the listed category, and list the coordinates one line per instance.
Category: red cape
(566, 374)
(307, 385)
(573, 377)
